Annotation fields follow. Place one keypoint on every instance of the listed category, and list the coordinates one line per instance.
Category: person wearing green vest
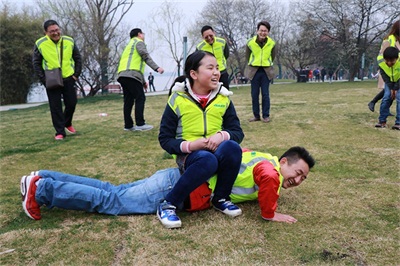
(391, 39)
(47, 56)
(389, 67)
(219, 48)
(260, 54)
(261, 178)
(131, 76)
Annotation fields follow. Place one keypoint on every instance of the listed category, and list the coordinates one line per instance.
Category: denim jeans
(201, 165)
(385, 106)
(73, 192)
(260, 80)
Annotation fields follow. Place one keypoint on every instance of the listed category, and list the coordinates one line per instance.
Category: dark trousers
(151, 85)
(201, 165)
(260, 80)
(224, 78)
(62, 119)
(133, 94)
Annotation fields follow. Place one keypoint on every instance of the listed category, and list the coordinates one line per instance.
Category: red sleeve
(267, 179)
(245, 150)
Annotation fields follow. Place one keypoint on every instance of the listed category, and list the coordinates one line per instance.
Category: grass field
(347, 209)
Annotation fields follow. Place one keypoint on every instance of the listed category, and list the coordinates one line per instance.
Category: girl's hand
(198, 144)
(214, 141)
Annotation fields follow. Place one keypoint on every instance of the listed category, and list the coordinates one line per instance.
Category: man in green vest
(260, 54)
(261, 177)
(131, 76)
(219, 48)
(54, 51)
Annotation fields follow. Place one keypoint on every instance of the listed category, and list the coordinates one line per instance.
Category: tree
(94, 24)
(18, 32)
(167, 22)
(352, 26)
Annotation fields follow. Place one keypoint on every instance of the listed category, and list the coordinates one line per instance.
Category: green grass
(347, 210)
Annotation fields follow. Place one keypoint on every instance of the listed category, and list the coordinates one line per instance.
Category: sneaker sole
(147, 129)
(24, 190)
(230, 213)
(169, 226)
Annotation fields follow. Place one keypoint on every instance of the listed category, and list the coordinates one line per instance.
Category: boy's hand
(393, 94)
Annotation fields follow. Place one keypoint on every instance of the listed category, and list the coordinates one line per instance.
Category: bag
(54, 79)
(199, 199)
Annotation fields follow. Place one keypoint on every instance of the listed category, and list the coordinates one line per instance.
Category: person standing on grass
(389, 67)
(260, 54)
(200, 126)
(47, 56)
(219, 48)
(391, 40)
(130, 75)
(261, 178)
(151, 82)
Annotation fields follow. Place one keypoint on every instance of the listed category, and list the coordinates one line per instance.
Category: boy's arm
(267, 179)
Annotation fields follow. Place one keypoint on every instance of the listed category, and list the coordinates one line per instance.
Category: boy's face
(293, 174)
(391, 62)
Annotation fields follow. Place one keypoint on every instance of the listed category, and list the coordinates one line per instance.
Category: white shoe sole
(230, 213)
(171, 225)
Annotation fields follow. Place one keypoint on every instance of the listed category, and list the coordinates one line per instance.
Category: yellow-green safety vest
(244, 188)
(51, 53)
(190, 127)
(217, 49)
(130, 58)
(260, 56)
(393, 72)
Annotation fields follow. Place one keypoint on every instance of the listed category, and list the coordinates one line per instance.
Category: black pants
(133, 94)
(224, 78)
(62, 119)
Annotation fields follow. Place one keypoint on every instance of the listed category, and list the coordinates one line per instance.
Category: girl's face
(206, 77)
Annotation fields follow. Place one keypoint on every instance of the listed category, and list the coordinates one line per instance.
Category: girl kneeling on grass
(200, 126)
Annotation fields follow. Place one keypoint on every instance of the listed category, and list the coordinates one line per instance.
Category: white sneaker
(144, 127)
(130, 129)
(167, 216)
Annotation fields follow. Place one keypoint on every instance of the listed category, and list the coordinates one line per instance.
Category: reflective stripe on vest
(260, 57)
(130, 58)
(51, 54)
(217, 49)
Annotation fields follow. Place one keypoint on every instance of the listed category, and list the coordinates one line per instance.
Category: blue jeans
(260, 80)
(385, 106)
(202, 165)
(72, 192)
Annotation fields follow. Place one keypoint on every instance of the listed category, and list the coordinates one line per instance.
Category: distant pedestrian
(130, 75)
(219, 48)
(151, 82)
(56, 51)
(323, 74)
(260, 54)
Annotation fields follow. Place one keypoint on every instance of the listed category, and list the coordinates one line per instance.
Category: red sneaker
(59, 137)
(28, 191)
(71, 130)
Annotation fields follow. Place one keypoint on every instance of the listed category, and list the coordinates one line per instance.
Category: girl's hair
(395, 30)
(193, 63)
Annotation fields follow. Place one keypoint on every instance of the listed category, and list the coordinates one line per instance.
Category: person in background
(219, 48)
(389, 67)
(201, 128)
(262, 176)
(151, 82)
(392, 39)
(131, 76)
(47, 56)
(260, 54)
